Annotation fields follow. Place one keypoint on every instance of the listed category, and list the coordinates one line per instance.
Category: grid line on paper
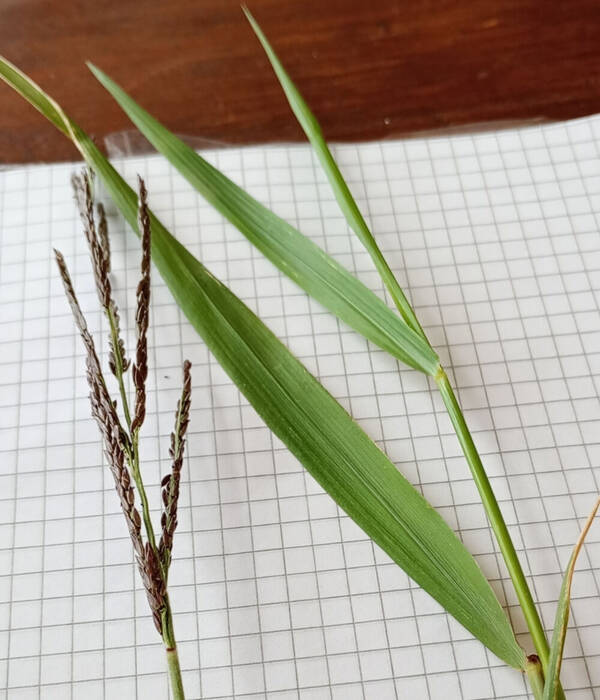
(276, 593)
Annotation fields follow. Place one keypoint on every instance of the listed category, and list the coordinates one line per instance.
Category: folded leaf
(296, 255)
(552, 686)
(317, 430)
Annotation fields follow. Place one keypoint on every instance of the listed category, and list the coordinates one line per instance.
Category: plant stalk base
(175, 674)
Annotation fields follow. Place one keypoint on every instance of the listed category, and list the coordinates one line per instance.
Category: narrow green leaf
(348, 205)
(552, 684)
(317, 430)
(296, 255)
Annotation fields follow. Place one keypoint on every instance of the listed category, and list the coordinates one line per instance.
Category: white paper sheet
(277, 594)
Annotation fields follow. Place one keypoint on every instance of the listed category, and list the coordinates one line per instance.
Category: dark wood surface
(369, 68)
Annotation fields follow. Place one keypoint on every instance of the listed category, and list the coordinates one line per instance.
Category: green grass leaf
(317, 430)
(355, 219)
(552, 683)
(296, 255)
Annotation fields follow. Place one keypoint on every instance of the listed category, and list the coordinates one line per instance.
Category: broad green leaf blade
(552, 685)
(296, 255)
(317, 430)
(348, 205)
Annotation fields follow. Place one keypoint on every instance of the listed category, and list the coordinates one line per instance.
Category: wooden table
(370, 69)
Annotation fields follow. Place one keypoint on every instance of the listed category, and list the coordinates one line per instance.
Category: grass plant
(319, 432)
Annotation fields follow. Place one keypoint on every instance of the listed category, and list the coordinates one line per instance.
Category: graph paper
(276, 593)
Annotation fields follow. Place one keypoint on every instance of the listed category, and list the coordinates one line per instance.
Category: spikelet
(170, 483)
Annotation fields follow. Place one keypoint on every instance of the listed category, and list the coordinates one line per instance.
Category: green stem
(171, 649)
(496, 518)
(535, 673)
(137, 477)
(175, 673)
(133, 453)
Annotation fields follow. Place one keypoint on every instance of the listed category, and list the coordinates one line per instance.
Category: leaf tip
(253, 23)
(95, 70)
(99, 74)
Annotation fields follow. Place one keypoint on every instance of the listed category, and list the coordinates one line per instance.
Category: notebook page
(276, 593)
